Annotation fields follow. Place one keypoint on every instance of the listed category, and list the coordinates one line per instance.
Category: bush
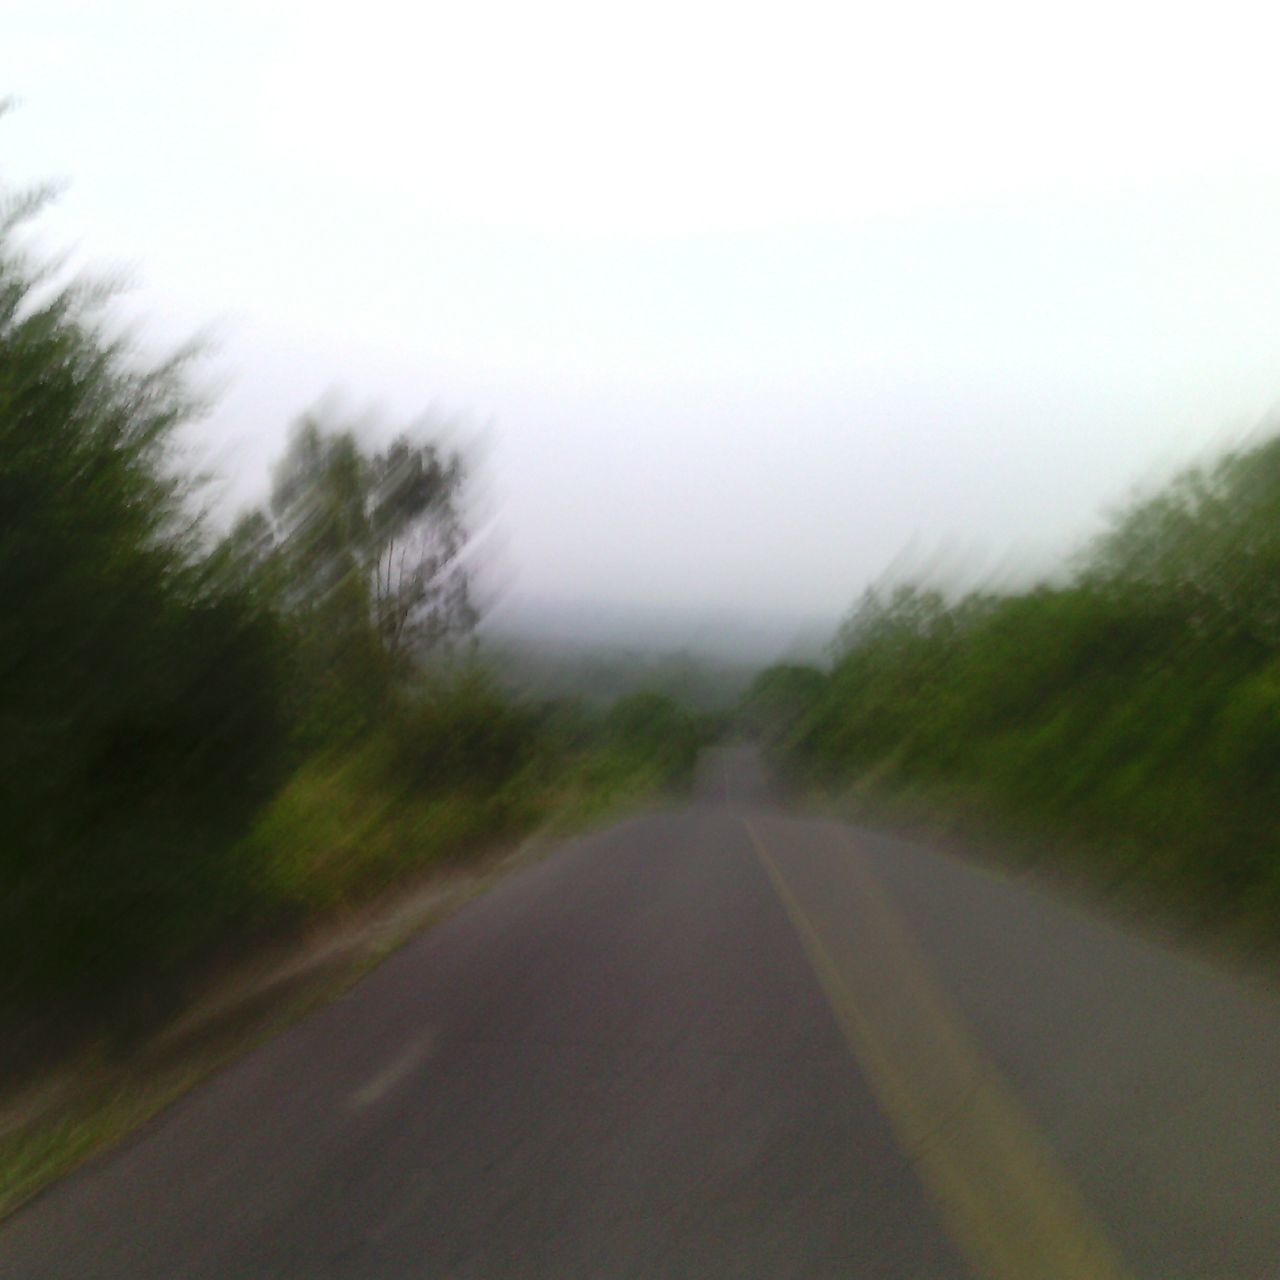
(140, 724)
(1137, 707)
(653, 730)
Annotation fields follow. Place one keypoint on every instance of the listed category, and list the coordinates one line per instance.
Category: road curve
(722, 1040)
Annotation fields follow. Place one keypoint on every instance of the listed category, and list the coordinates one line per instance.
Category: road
(721, 1040)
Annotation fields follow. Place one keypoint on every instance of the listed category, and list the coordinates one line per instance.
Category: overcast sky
(757, 299)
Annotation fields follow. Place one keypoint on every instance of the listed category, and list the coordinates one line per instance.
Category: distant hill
(719, 637)
(600, 675)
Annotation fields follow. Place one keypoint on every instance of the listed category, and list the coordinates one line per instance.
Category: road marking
(1008, 1204)
(387, 1079)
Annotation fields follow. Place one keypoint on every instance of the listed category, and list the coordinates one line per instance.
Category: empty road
(722, 1040)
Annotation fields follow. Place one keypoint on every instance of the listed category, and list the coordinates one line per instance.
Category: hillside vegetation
(1134, 710)
(203, 740)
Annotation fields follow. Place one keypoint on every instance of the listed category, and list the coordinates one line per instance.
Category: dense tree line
(140, 695)
(1135, 708)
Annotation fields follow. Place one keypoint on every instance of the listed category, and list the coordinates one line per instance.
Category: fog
(743, 309)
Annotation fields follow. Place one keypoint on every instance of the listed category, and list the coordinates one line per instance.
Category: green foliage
(655, 730)
(1246, 737)
(780, 698)
(462, 733)
(386, 522)
(139, 720)
(1136, 707)
(156, 696)
(348, 824)
(360, 553)
(457, 763)
(197, 743)
(1206, 548)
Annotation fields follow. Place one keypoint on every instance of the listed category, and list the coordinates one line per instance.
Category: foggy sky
(741, 307)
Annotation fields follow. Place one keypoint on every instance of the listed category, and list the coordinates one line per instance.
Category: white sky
(756, 298)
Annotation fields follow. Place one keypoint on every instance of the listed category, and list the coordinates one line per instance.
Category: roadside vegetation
(208, 741)
(1133, 711)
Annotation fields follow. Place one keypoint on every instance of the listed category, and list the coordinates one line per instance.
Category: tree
(421, 592)
(780, 697)
(1207, 546)
(139, 717)
(375, 538)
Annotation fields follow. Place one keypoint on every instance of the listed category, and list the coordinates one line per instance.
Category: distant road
(723, 1041)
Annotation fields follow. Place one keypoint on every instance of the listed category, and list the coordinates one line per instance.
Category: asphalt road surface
(729, 1041)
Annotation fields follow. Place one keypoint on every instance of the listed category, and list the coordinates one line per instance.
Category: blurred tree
(651, 726)
(1206, 546)
(421, 593)
(382, 532)
(780, 697)
(140, 723)
(362, 553)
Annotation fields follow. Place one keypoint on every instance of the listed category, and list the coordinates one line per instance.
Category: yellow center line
(1009, 1205)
